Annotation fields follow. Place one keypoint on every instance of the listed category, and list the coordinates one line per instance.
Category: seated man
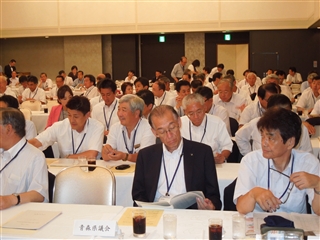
(45, 82)
(183, 89)
(131, 134)
(77, 136)
(249, 91)
(12, 102)
(176, 166)
(148, 98)
(249, 132)
(285, 90)
(14, 80)
(141, 83)
(91, 89)
(105, 111)
(257, 108)
(33, 92)
(4, 89)
(59, 84)
(212, 108)
(161, 96)
(278, 178)
(205, 128)
(24, 175)
(310, 96)
(234, 103)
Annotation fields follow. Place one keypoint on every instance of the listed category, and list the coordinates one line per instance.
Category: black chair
(48, 153)
(235, 156)
(51, 179)
(234, 126)
(314, 121)
(228, 193)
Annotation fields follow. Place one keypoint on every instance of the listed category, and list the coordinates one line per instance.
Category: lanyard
(289, 179)
(163, 98)
(204, 130)
(260, 109)
(75, 152)
(313, 97)
(15, 156)
(174, 175)
(213, 87)
(105, 118)
(134, 138)
(34, 94)
(254, 89)
(87, 92)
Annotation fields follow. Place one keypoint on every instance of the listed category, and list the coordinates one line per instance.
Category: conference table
(226, 173)
(39, 118)
(189, 224)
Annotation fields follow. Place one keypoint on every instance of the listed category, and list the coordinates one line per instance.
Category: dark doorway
(162, 56)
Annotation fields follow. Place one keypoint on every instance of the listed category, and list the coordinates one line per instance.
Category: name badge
(136, 146)
(95, 228)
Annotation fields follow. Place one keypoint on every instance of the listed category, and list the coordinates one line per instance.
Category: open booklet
(181, 201)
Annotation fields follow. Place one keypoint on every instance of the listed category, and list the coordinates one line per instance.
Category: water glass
(169, 226)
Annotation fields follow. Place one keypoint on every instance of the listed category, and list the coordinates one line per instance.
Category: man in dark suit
(176, 166)
(8, 69)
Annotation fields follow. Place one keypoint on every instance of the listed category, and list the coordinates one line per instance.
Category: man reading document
(175, 166)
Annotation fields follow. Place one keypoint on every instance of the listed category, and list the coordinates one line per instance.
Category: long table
(189, 224)
(226, 172)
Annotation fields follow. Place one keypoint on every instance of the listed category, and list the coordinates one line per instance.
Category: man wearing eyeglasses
(176, 166)
(277, 177)
(205, 128)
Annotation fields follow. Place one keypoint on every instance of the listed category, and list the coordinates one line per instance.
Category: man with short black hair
(183, 89)
(67, 80)
(33, 92)
(8, 69)
(148, 98)
(45, 82)
(24, 175)
(79, 82)
(90, 85)
(178, 69)
(141, 83)
(77, 136)
(4, 89)
(161, 96)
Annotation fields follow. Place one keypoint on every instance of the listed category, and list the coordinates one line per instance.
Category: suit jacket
(199, 169)
(7, 72)
(54, 115)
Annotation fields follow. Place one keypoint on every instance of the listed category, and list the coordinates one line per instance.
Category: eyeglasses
(285, 196)
(198, 112)
(171, 129)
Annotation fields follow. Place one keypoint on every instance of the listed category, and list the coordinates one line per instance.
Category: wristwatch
(18, 197)
(126, 158)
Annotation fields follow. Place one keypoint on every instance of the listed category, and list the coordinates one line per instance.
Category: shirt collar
(14, 149)
(177, 151)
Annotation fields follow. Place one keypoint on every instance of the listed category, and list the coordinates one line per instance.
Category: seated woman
(127, 88)
(58, 113)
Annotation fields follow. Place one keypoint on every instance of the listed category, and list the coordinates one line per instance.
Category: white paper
(31, 219)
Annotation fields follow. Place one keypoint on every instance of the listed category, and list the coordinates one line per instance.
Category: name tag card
(95, 228)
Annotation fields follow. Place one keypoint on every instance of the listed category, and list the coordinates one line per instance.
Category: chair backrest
(51, 103)
(73, 185)
(234, 126)
(34, 105)
(27, 113)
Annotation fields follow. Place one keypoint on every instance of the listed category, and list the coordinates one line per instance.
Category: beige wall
(194, 48)
(71, 18)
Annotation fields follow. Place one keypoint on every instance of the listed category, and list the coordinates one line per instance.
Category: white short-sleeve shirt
(253, 172)
(27, 172)
(38, 94)
(140, 137)
(307, 99)
(222, 113)
(253, 110)
(90, 138)
(212, 131)
(107, 115)
(91, 92)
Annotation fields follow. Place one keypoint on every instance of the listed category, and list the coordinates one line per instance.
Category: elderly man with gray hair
(285, 89)
(130, 134)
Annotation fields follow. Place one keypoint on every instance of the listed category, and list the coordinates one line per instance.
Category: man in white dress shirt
(249, 91)
(205, 128)
(219, 68)
(130, 134)
(161, 96)
(4, 89)
(277, 177)
(257, 108)
(212, 108)
(249, 132)
(67, 80)
(293, 76)
(310, 96)
(14, 80)
(77, 136)
(179, 68)
(307, 84)
(244, 80)
(91, 89)
(141, 83)
(148, 98)
(59, 84)
(183, 88)
(12, 102)
(285, 89)
(234, 103)
(33, 92)
(213, 82)
(106, 111)
(45, 82)
(24, 175)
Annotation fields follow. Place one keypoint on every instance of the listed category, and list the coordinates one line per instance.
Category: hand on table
(205, 204)
(266, 200)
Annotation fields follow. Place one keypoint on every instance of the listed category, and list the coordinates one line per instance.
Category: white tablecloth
(39, 118)
(226, 172)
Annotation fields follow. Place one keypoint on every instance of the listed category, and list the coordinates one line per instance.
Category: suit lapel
(188, 160)
(156, 167)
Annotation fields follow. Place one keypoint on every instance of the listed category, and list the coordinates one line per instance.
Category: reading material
(31, 219)
(181, 201)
